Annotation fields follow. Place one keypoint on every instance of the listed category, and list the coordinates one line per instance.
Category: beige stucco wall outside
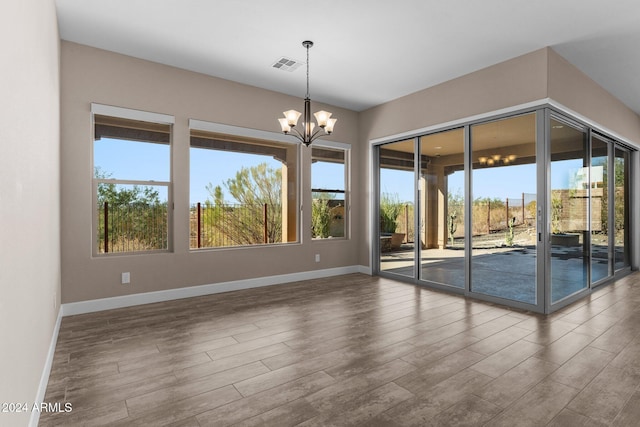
(29, 198)
(95, 76)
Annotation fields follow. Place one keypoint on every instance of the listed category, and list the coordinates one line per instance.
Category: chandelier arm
(315, 134)
(298, 135)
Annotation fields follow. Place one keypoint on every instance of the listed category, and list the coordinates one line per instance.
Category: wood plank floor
(351, 350)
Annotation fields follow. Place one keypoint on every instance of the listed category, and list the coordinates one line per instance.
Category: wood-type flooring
(351, 350)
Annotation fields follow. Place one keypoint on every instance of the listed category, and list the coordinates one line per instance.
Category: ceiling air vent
(286, 64)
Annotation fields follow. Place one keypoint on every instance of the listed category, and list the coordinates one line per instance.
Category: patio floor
(506, 272)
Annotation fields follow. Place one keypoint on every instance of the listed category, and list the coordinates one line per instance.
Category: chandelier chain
(308, 96)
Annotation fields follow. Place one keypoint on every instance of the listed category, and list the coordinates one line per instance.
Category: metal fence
(132, 227)
(234, 225)
(406, 223)
(489, 216)
(144, 227)
(493, 215)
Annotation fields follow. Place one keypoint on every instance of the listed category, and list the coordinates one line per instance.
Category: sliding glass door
(530, 210)
(598, 184)
(442, 208)
(396, 234)
(504, 204)
(569, 207)
(621, 208)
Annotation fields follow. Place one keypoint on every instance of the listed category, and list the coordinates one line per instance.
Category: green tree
(390, 209)
(115, 195)
(254, 189)
(137, 217)
(619, 196)
(320, 215)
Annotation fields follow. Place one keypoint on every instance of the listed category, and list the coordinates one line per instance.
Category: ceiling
(366, 52)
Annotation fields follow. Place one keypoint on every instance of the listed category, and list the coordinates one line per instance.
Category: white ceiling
(366, 52)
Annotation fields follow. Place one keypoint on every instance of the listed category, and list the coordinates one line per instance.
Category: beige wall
(514, 82)
(575, 90)
(29, 197)
(93, 75)
(525, 79)
(517, 81)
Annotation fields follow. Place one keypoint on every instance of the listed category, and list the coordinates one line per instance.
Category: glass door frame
(611, 146)
(629, 206)
(544, 114)
(550, 305)
(375, 209)
(540, 128)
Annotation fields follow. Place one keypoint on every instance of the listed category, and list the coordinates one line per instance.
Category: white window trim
(221, 128)
(128, 113)
(239, 131)
(145, 116)
(202, 125)
(347, 185)
(331, 144)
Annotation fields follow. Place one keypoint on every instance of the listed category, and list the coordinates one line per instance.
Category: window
(131, 181)
(329, 192)
(243, 190)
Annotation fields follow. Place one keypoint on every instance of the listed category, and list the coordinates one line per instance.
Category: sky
(500, 182)
(128, 160)
(141, 161)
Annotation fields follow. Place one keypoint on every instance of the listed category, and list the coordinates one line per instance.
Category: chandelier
(290, 119)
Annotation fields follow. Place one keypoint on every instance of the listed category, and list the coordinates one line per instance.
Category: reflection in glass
(568, 204)
(396, 233)
(442, 214)
(621, 208)
(504, 225)
(599, 216)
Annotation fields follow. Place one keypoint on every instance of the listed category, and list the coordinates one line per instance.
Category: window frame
(137, 115)
(346, 148)
(239, 133)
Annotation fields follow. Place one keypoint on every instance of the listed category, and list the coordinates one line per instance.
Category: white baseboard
(171, 294)
(365, 270)
(91, 306)
(46, 371)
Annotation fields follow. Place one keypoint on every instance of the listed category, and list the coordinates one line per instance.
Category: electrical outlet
(126, 278)
(317, 257)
